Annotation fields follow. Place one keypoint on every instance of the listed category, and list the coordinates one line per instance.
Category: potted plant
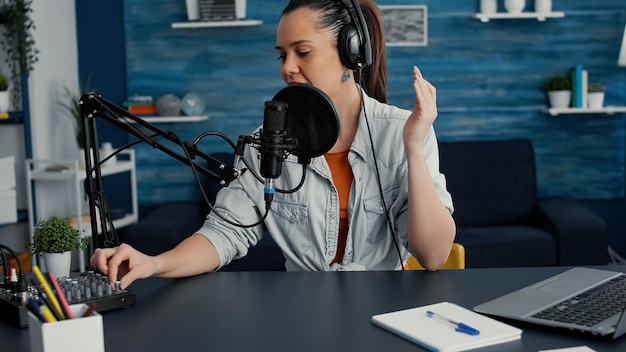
(4, 93)
(18, 42)
(55, 239)
(595, 95)
(559, 89)
(71, 106)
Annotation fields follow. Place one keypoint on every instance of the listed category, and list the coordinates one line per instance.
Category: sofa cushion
(491, 182)
(508, 246)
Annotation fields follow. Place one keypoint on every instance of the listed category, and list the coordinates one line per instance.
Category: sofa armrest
(581, 235)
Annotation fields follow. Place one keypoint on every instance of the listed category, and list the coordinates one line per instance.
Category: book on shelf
(142, 109)
(579, 86)
(138, 100)
(63, 168)
(441, 329)
(585, 87)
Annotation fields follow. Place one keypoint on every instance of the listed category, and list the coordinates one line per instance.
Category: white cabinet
(69, 171)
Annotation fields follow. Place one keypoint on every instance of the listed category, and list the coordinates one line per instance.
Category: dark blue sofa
(501, 221)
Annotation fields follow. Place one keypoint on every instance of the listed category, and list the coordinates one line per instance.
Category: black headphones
(353, 42)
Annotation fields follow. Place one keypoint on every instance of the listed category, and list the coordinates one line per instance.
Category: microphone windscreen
(311, 118)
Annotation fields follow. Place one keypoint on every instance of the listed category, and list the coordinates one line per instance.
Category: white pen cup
(70, 335)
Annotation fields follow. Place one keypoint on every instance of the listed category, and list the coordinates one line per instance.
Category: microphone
(300, 120)
(273, 146)
(312, 120)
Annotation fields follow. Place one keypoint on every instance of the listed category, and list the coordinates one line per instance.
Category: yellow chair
(456, 259)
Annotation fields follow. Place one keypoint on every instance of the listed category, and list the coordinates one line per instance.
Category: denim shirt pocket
(290, 211)
(376, 218)
(294, 226)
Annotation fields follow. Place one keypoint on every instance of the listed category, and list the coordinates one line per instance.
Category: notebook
(439, 333)
(581, 300)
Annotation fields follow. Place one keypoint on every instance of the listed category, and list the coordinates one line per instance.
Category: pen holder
(78, 334)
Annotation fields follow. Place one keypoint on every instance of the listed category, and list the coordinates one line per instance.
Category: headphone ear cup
(349, 46)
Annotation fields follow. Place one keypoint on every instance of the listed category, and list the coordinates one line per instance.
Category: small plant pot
(4, 101)
(595, 100)
(58, 263)
(543, 6)
(514, 6)
(488, 6)
(560, 98)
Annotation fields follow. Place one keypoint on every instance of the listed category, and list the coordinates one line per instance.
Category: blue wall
(488, 77)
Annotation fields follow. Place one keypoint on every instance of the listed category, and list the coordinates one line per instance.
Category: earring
(346, 75)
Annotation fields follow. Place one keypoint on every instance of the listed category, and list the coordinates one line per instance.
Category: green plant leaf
(55, 235)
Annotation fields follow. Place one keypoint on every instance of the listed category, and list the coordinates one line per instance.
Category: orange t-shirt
(342, 178)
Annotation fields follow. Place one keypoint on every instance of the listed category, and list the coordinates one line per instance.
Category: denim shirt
(305, 224)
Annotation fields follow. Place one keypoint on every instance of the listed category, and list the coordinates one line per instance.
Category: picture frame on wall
(405, 25)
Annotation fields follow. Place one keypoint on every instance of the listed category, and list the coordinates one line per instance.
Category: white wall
(52, 128)
(52, 131)
(55, 37)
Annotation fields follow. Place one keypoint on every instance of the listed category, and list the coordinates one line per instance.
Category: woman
(338, 220)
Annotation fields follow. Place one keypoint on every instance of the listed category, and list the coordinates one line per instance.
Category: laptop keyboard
(590, 307)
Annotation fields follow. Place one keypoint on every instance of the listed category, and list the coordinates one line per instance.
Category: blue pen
(460, 327)
(33, 307)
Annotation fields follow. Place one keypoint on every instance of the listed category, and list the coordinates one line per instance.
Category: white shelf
(206, 24)
(164, 119)
(485, 17)
(609, 110)
(69, 170)
(40, 171)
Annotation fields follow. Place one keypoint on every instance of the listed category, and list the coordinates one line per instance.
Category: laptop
(585, 301)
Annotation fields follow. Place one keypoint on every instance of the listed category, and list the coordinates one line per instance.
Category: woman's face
(307, 54)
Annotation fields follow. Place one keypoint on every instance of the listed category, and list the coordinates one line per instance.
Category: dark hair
(333, 16)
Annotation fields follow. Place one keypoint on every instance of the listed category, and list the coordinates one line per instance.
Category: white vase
(595, 100)
(105, 150)
(543, 6)
(4, 101)
(514, 6)
(560, 98)
(58, 264)
(488, 6)
(193, 10)
(240, 9)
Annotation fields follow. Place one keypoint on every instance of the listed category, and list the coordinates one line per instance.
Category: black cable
(202, 191)
(20, 287)
(17, 259)
(299, 185)
(5, 264)
(380, 186)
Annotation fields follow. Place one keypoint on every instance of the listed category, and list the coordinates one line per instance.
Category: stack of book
(217, 10)
(579, 87)
(143, 105)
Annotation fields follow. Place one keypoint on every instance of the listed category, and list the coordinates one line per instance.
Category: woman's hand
(423, 115)
(123, 260)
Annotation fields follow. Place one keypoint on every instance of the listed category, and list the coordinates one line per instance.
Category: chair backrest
(456, 259)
